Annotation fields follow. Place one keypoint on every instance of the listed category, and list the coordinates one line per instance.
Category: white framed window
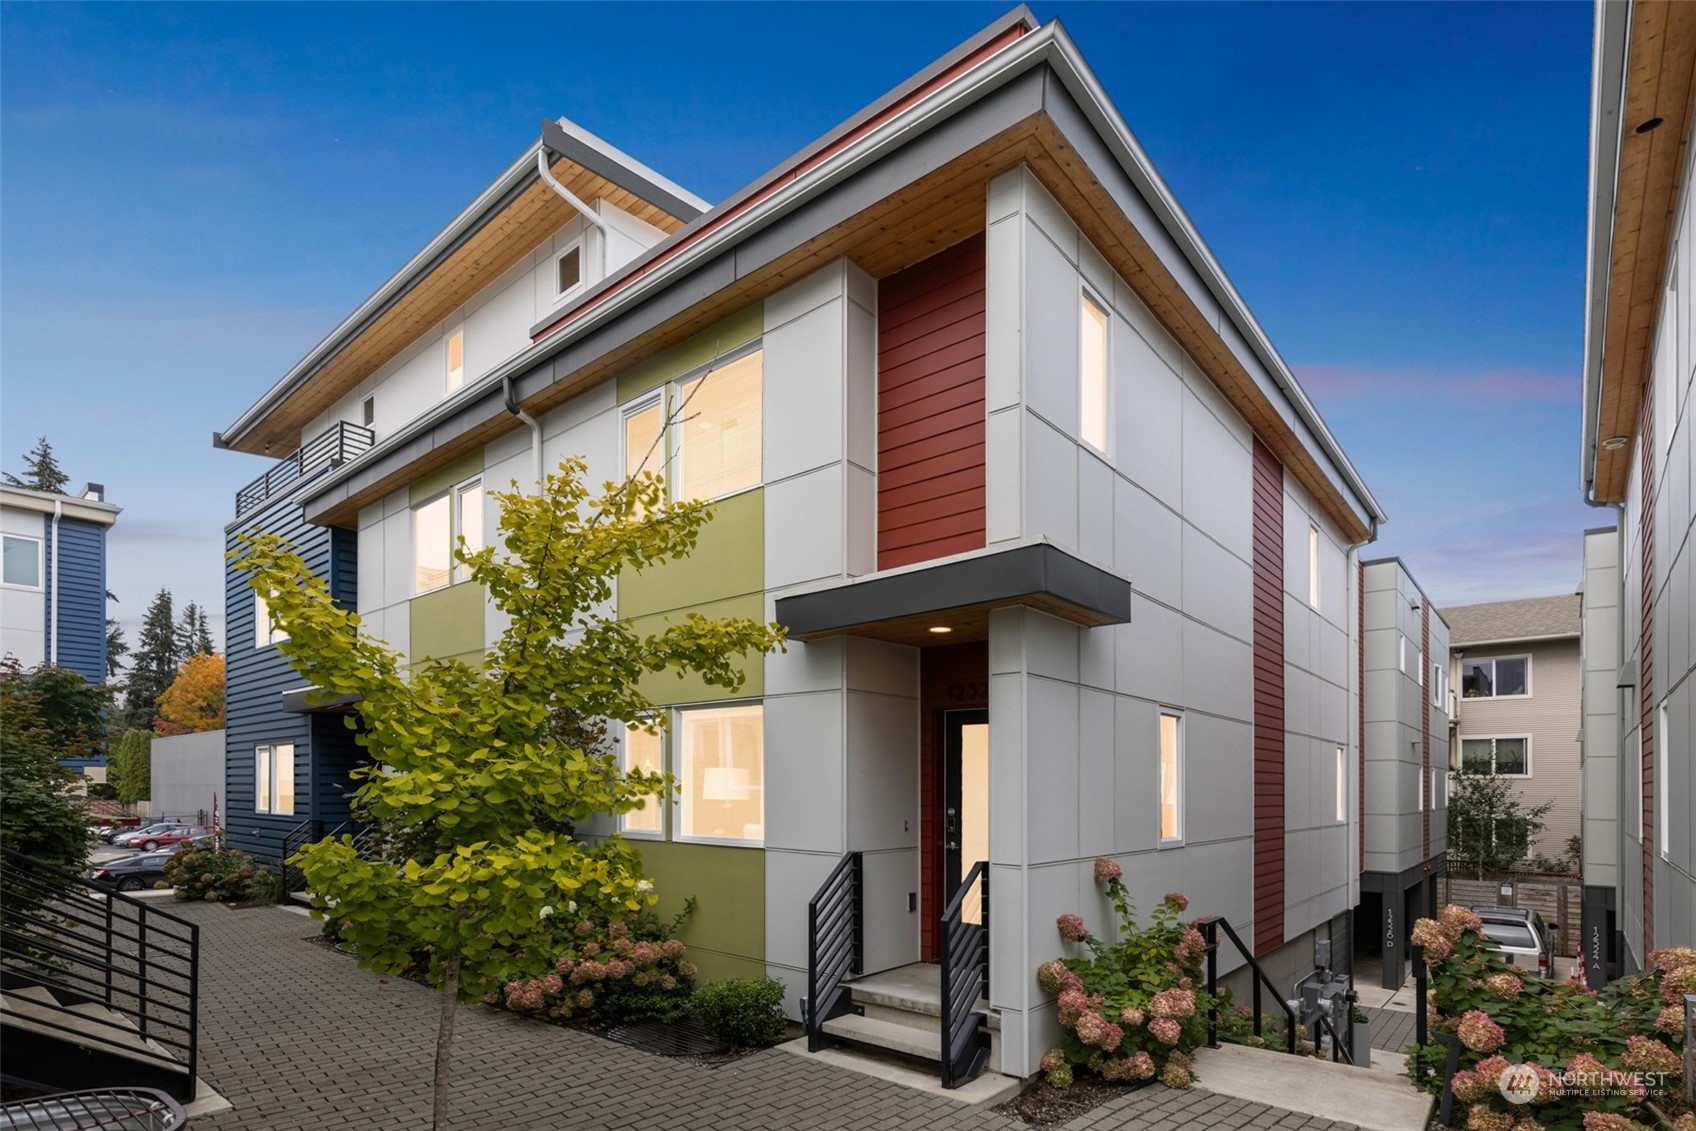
(265, 630)
(1504, 757)
(1662, 837)
(273, 778)
(644, 442)
(1435, 782)
(368, 411)
(456, 360)
(718, 434)
(1439, 686)
(1421, 666)
(644, 750)
(1500, 677)
(22, 564)
(1093, 397)
(1171, 778)
(1342, 786)
(720, 766)
(1401, 653)
(1313, 566)
(437, 525)
(568, 271)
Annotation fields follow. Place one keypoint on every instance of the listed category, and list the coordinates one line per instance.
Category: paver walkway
(298, 1037)
(1392, 1029)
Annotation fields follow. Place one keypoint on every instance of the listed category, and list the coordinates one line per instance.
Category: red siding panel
(930, 424)
(1268, 700)
(1646, 664)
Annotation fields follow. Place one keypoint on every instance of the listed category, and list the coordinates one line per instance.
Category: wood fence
(1555, 898)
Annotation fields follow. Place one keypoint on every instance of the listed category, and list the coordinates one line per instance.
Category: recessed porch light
(939, 629)
(1645, 126)
(1614, 443)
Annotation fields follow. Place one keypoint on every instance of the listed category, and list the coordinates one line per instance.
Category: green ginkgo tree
(469, 768)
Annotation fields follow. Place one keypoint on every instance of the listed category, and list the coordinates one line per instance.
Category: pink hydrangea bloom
(1175, 1076)
(1470, 1087)
(585, 998)
(1586, 1071)
(1645, 1054)
(1173, 1003)
(1676, 983)
(1426, 932)
(1480, 1118)
(565, 964)
(688, 969)
(667, 982)
(1177, 899)
(1438, 951)
(646, 953)
(623, 946)
(1190, 945)
(1094, 1029)
(1072, 1003)
(1608, 1121)
(592, 949)
(1132, 1016)
(1674, 957)
(552, 985)
(1072, 928)
(1166, 1030)
(1478, 1033)
(618, 930)
(1504, 986)
(1140, 1065)
(1457, 919)
(1106, 870)
(1052, 976)
(584, 928)
(673, 948)
(1670, 1020)
(1051, 1060)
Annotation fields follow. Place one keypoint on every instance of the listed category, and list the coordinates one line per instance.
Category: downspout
(572, 199)
(53, 618)
(509, 397)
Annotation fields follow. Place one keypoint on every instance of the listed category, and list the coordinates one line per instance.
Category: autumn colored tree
(469, 762)
(195, 700)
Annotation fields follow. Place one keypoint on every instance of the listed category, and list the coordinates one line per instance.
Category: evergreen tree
(47, 715)
(157, 657)
(135, 755)
(41, 471)
(194, 636)
(116, 646)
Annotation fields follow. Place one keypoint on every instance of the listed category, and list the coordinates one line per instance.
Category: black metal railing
(836, 944)
(294, 840)
(1210, 928)
(128, 1109)
(332, 447)
(88, 947)
(965, 979)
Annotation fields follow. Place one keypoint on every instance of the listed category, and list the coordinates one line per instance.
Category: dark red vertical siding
(1646, 661)
(1425, 790)
(950, 678)
(1360, 697)
(930, 408)
(1268, 700)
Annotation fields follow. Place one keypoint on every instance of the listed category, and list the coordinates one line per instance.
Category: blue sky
(191, 196)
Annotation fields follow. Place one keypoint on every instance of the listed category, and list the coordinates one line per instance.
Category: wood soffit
(503, 241)
(924, 217)
(1659, 70)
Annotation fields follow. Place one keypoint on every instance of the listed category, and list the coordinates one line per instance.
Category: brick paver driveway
(297, 1036)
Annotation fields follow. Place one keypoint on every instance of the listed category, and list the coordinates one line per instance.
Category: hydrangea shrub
(202, 874)
(607, 972)
(1134, 1009)
(1591, 1054)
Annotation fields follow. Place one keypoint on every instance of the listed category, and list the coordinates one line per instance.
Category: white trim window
(644, 750)
(1498, 677)
(718, 438)
(265, 630)
(455, 361)
(644, 440)
(719, 759)
(1439, 686)
(568, 271)
(1662, 834)
(22, 561)
(438, 524)
(1094, 401)
(1507, 756)
(273, 778)
(1313, 566)
(1171, 778)
(1342, 786)
(1401, 653)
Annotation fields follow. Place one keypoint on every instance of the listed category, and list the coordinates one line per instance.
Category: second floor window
(437, 525)
(1495, 679)
(456, 360)
(1092, 374)
(22, 562)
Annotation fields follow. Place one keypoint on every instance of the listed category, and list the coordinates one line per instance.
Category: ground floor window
(1504, 757)
(1171, 778)
(717, 754)
(273, 774)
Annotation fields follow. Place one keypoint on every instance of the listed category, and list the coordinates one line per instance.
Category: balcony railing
(330, 448)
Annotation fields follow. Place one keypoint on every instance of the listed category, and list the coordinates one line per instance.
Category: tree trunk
(444, 1042)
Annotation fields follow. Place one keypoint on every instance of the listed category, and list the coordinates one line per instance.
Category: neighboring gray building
(1635, 457)
(188, 776)
(1602, 695)
(1404, 759)
(1516, 678)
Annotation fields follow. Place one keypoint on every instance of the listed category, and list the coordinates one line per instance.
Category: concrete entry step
(890, 1035)
(1374, 1101)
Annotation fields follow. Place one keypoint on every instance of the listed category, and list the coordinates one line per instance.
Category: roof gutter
(1607, 100)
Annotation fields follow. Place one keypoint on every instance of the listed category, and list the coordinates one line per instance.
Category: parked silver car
(1521, 937)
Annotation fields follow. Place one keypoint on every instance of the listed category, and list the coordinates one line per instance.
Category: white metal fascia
(1607, 102)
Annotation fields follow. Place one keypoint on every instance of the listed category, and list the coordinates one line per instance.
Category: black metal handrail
(332, 447)
(1210, 928)
(85, 945)
(965, 979)
(1339, 1053)
(294, 840)
(835, 944)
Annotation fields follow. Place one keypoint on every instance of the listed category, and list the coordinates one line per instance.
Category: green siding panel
(740, 328)
(448, 624)
(442, 478)
(729, 561)
(668, 688)
(727, 932)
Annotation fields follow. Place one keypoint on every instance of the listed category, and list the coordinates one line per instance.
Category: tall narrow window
(265, 630)
(721, 773)
(646, 752)
(456, 360)
(568, 270)
(719, 441)
(1642, 797)
(1171, 778)
(1313, 566)
(1092, 374)
(1421, 666)
(643, 447)
(432, 556)
(1662, 837)
(273, 778)
(468, 522)
(1401, 653)
(1342, 786)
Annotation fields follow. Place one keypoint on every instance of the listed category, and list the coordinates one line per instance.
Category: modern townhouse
(53, 592)
(1067, 558)
(1405, 708)
(1517, 715)
(1640, 859)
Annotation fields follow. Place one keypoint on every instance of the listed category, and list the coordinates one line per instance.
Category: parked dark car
(1521, 937)
(132, 873)
(117, 827)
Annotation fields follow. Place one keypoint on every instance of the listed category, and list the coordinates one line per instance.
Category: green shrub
(203, 874)
(744, 1013)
